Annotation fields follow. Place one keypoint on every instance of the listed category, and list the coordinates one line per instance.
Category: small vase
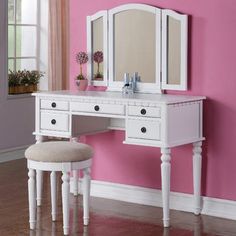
(82, 84)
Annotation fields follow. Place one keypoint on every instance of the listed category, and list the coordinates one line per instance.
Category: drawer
(143, 129)
(57, 122)
(144, 111)
(54, 105)
(113, 109)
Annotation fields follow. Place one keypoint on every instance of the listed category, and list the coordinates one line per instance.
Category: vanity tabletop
(108, 95)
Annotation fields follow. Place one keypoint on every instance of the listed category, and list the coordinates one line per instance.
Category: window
(27, 41)
(23, 35)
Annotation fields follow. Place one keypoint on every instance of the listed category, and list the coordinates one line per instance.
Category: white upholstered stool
(59, 156)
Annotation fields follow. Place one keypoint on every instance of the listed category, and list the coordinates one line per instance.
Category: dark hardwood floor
(107, 217)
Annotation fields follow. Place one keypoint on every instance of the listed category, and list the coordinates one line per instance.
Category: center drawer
(144, 111)
(143, 129)
(113, 109)
(54, 121)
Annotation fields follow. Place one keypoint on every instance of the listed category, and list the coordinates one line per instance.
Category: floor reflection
(196, 229)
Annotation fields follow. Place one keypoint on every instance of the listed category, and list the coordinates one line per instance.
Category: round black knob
(53, 121)
(143, 111)
(143, 130)
(96, 108)
(54, 104)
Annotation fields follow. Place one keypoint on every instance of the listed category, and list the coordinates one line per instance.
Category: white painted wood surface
(165, 183)
(197, 170)
(39, 186)
(183, 19)
(171, 120)
(65, 168)
(65, 201)
(53, 183)
(104, 15)
(141, 87)
(32, 198)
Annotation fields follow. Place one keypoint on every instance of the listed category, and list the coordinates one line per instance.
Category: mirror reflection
(173, 50)
(97, 49)
(135, 45)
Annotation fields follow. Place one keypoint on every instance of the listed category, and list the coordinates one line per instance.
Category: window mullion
(15, 2)
(38, 35)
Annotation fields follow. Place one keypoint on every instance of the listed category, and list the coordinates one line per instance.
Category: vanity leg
(39, 176)
(39, 138)
(165, 181)
(197, 169)
(75, 173)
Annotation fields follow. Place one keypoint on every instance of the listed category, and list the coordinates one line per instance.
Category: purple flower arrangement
(98, 58)
(81, 58)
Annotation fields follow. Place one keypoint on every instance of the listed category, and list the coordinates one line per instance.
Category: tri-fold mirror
(138, 38)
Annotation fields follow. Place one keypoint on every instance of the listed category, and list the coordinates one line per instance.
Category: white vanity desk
(156, 120)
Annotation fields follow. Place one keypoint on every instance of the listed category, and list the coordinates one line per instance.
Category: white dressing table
(156, 120)
(133, 38)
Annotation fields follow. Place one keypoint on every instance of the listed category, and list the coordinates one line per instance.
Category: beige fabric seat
(59, 151)
(56, 156)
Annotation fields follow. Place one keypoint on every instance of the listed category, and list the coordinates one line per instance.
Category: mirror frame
(183, 19)
(141, 87)
(90, 19)
(161, 77)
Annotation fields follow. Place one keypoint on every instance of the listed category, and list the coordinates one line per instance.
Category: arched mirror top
(141, 40)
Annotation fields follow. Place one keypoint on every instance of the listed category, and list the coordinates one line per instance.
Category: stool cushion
(59, 151)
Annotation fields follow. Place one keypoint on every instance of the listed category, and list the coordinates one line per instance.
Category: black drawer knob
(54, 104)
(143, 130)
(96, 108)
(53, 121)
(143, 111)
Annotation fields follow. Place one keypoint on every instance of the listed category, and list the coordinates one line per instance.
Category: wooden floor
(107, 217)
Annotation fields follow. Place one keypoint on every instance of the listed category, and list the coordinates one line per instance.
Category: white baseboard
(12, 154)
(152, 197)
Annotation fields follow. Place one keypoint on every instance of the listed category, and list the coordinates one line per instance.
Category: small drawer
(144, 111)
(100, 108)
(143, 129)
(54, 105)
(57, 122)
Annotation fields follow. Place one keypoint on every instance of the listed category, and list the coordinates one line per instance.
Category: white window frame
(37, 26)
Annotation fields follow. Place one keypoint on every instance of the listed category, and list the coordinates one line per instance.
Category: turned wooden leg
(86, 194)
(39, 186)
(165, 181)
(53, 181)
(40, 138)
(65, 202)
(197, 170)
(32, 199)
(75, 179)
(39, 175)
(75, 182)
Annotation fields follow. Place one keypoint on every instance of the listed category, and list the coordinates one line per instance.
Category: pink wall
(212, 66)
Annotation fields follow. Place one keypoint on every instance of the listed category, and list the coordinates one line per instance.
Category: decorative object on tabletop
(81, 81)
(98, 58)
(23, 81)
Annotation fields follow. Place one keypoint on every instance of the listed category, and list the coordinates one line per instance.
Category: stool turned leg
(39, 185)
(32, 199)
(86, 194)
(53, 195)
(65, 202)
(75, 182)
